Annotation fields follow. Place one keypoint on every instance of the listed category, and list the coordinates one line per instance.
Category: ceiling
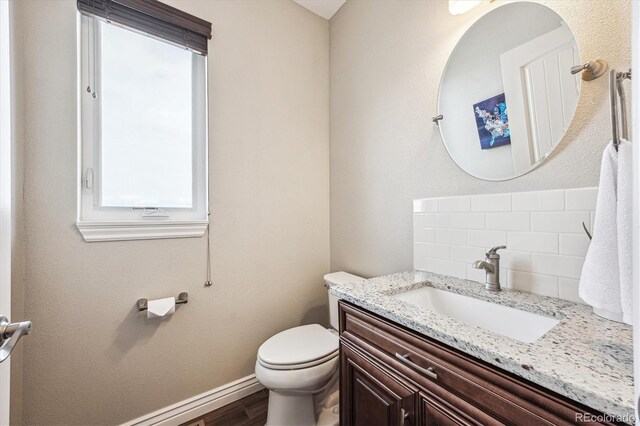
(324, 8)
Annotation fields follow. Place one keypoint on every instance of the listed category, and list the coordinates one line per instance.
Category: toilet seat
(298, 366)
(297, 381)
(299, 348)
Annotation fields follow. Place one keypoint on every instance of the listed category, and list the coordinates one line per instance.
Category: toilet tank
(336, 278)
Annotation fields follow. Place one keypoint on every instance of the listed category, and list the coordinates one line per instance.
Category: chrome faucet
(491, 265)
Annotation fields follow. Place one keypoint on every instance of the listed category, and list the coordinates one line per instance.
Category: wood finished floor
(248, 411)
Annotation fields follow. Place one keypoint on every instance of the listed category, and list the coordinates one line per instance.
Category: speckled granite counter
(585, 358)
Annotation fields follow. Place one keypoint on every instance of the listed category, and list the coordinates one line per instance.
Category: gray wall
(386, 62)
(92, 358)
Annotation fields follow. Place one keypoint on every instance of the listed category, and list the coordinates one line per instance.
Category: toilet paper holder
(181, 299)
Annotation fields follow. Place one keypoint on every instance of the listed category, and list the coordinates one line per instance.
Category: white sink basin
(514, 323)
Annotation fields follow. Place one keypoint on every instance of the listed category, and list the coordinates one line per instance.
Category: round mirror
(507, 95)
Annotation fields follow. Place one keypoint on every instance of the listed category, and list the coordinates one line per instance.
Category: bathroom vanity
(403, 364)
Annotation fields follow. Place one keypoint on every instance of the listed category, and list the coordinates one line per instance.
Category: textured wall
(92, 358)
(386, 62)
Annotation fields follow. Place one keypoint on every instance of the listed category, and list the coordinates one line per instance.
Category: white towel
(606, 282)
(600, 278)
(625, 228)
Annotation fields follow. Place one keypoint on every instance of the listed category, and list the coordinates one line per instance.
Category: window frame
(97, 223)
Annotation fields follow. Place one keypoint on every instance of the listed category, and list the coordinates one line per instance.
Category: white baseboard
(200, 404)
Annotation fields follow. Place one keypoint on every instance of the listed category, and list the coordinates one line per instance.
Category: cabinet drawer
(442, 371)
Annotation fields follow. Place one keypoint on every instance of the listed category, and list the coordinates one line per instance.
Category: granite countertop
(584, 357)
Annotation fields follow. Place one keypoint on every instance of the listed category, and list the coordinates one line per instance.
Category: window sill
(124, 231)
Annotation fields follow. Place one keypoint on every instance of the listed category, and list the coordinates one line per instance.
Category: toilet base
(290, 410)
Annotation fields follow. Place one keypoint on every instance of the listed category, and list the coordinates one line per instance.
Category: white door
(10, 333)
(540, 93)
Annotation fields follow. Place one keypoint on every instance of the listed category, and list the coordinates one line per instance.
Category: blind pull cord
(208, 283)
(93, 57)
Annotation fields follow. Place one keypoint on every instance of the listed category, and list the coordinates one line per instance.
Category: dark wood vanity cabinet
(390, 375)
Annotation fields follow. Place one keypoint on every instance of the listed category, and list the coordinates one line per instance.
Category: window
(143, 129)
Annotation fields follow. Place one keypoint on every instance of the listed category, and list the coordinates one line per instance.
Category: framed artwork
(492, 122)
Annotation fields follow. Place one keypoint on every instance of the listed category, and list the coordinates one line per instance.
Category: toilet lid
(298, 345)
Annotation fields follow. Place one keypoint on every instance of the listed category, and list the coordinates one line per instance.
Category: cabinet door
(371, 396)
(435, 412)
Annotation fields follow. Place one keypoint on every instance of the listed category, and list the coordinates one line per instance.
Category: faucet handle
(493, 252)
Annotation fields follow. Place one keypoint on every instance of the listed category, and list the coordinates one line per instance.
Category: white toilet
(299, 366)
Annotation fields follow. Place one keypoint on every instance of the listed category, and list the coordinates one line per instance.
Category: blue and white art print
(493, 122)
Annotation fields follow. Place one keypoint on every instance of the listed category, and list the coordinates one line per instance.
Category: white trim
(199, 405)
(6, 135)
(114, 231)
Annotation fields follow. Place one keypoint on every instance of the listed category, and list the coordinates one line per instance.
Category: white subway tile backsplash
(446, 267)
(426, 205)
(516, 260)
(454, 204)
(420, 261)
(443, 220)
(519, 221)
(568, 290)
(486, 239)
(537, 242)
(538, 201)
(491, 203)
(430, 220)
(451, 236)
(542, 230)
(436, 251)
(565, 222)
(424, 220)
(561, 266)
(467, 220)
(581, 199)
(504, 277)
(574, 244)
(424, 235)
(467, 254)
(545, 285)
